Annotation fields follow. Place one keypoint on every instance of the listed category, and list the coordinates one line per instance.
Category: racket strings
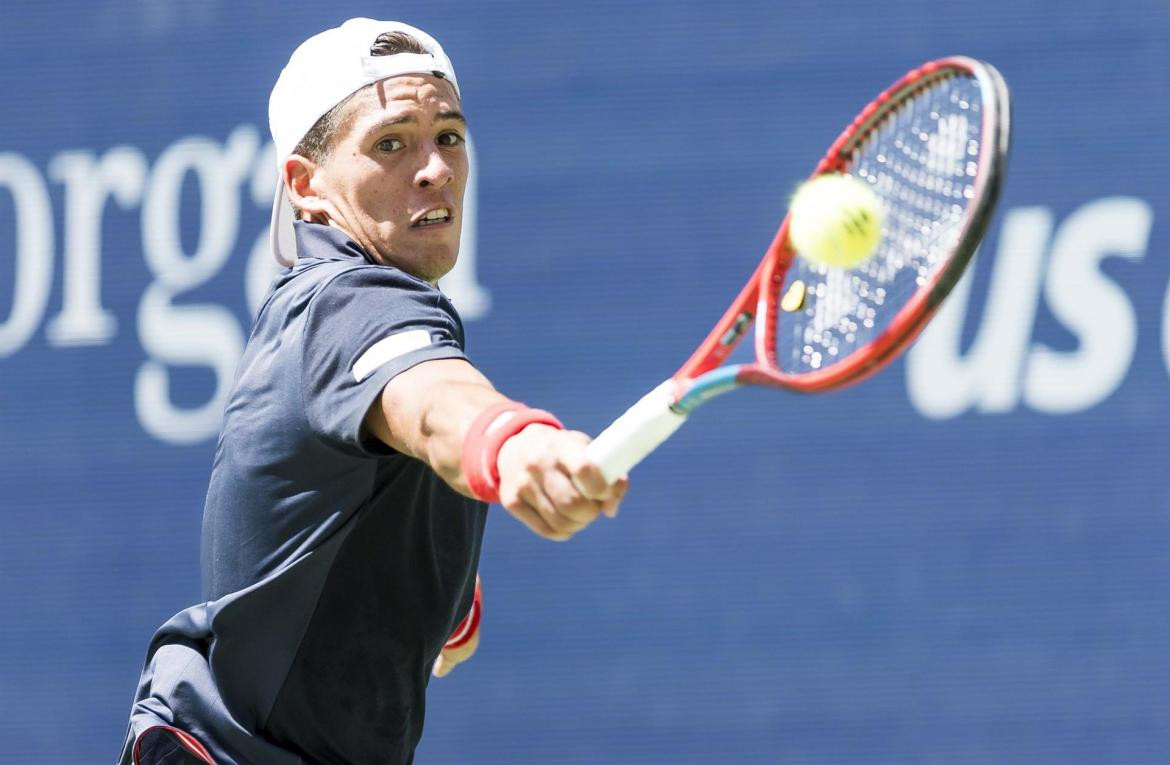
(921, 159)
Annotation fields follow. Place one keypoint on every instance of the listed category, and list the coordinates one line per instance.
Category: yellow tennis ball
(836, 220)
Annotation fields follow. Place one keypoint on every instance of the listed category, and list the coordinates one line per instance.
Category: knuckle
(566, 524)
(553, 518)
(577, 436)
(574, 462)
(593, 486)
(580, 522)
(575, 506)
(562, 495)
(586, 510)
(543, 530)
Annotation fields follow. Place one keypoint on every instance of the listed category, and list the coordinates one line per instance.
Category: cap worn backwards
(322, 72)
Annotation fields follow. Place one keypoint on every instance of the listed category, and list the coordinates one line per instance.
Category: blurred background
(963, 560)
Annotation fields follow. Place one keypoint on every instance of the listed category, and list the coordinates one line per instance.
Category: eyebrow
(450, 115)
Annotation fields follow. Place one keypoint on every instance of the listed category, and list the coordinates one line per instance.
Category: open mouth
(434, 217)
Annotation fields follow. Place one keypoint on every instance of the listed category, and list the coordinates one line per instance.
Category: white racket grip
(636, 433)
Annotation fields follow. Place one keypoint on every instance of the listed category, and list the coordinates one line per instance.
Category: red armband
(485, 438)
(467, 628)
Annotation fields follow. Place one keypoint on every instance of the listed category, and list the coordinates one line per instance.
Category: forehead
(420, 96)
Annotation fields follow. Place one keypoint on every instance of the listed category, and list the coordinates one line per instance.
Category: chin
(429, 261)
(444, 259)
(435, 266)
(443, 269)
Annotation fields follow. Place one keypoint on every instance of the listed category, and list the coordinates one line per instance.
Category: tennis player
(347, 501)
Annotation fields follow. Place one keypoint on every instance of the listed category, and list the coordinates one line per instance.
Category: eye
(388, 145)
(450, 138)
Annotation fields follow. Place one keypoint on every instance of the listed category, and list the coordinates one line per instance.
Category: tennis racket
(933, 147)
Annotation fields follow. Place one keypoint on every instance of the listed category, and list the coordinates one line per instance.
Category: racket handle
(636, 433)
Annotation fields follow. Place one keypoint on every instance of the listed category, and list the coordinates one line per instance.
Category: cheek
(462, 172)
(380, 198)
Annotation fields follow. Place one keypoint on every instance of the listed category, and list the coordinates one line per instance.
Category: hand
(540, 470)
(453, 657)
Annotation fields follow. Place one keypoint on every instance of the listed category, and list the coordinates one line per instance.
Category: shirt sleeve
(364, 327)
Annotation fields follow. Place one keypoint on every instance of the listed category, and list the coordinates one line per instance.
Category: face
(394, 180)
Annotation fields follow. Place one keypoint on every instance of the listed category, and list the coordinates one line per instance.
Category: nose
(435, 170)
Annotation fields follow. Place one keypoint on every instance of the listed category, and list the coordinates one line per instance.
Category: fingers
(450, 658)
(556, 520)
(610, 506)
(547, 482)
(575, 509)
(547, 518)
(587, 477)
(527, 513)
(550, 505)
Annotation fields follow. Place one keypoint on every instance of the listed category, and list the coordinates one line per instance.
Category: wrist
(514, 448)
(466, 629)
(485, 440)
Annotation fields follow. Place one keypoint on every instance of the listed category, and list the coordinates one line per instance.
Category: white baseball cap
(324, 71)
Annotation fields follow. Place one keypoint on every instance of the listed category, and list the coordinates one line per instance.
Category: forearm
(451, 410)
(539, 473)
(426, 412)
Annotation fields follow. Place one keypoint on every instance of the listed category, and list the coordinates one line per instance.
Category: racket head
(933, 146)
(949, 122)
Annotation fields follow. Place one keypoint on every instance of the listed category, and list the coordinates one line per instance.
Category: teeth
(435, 216)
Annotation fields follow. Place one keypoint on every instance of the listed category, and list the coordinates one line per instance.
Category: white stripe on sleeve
(387, 349)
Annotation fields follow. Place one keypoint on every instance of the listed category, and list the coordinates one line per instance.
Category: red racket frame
(755, 301)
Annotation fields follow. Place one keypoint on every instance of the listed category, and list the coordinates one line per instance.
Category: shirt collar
(316, 241)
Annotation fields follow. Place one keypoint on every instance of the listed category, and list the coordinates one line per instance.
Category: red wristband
(485, 438)
(470, 624)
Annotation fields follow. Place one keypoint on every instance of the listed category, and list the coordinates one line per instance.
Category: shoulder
(363, 299)
(369, 285)
(319, 282)
(361, 276)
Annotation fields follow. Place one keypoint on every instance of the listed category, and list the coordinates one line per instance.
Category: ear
(303, 179)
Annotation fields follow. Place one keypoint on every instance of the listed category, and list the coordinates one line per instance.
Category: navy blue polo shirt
(334, 568)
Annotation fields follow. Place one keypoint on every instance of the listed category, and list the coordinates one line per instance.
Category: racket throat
(735, 332)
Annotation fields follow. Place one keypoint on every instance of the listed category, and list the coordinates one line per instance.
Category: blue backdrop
(964, 560)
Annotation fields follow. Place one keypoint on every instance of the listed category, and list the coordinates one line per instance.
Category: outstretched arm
(427, 412)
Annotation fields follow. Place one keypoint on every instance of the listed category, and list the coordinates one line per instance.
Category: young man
(348, 496)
